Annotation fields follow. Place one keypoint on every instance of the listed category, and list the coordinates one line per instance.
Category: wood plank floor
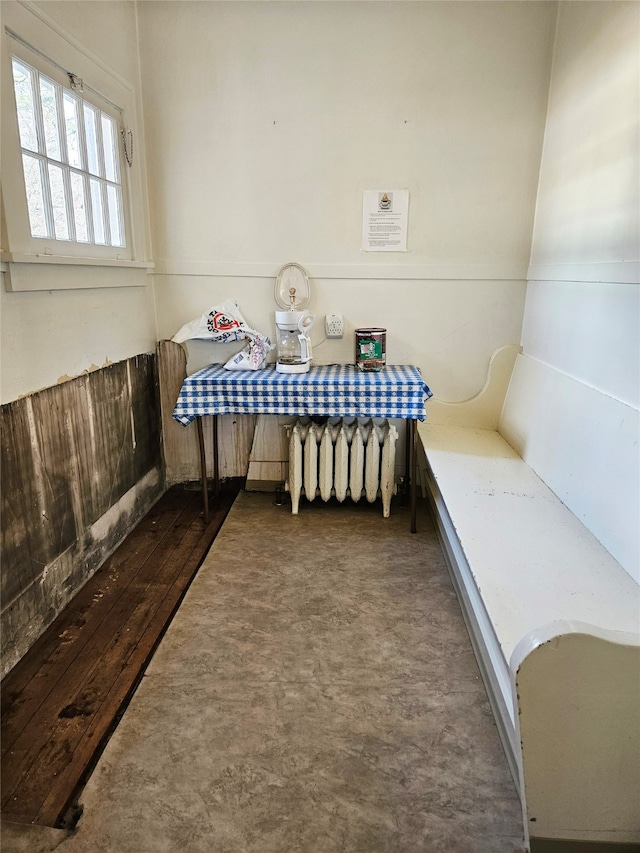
(65, 697)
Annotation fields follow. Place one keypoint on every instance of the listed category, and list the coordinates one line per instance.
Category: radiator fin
(341, 477)
(310, 461)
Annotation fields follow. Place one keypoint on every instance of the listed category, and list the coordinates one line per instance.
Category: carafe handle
(304, 325)
(306, 322)
(305, 347)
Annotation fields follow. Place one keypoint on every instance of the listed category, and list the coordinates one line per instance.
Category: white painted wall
(588, 330)
(446, 100)
(582, 315)
(449, 328)
(587, 212)
(267, 121)
(48, 335)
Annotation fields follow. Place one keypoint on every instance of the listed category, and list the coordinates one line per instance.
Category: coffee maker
(293, 345)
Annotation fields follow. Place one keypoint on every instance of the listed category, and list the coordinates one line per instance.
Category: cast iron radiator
(341, 458)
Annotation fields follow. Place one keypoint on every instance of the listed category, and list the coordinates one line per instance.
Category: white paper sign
(385, 215)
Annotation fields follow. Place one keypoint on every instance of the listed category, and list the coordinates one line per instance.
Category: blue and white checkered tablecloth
(332, 390)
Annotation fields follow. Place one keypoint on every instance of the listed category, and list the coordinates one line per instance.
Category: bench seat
(532, 560)
(554, 620)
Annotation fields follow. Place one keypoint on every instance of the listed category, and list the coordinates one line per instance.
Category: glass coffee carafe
(292, 341)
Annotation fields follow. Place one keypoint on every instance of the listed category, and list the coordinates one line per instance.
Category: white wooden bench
(553, 616)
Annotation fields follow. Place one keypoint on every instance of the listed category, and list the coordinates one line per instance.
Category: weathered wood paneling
(18, 506)
(179, 443)
(182, 460)
(81, 463)
(269, 458)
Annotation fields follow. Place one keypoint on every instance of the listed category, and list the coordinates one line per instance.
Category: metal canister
(371, 349)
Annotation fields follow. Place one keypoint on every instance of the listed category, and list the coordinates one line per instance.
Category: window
(70, 162)
(74, 199)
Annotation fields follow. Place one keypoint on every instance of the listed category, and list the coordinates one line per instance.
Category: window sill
(24, 272)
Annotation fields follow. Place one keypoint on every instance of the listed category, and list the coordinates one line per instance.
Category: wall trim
(614, 272)
(508, 271)
(53, 273)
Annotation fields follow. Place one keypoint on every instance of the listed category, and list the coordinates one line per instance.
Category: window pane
(23, 87)
(98, 215)
(72, 130)
(91, 135)
(56, 184)
(50, 118)
(72, 178)
(115, 215)
(35, 196)
(79, 207)
(109, 145)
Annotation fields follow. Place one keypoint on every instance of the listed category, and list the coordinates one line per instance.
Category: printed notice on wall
(385, 215)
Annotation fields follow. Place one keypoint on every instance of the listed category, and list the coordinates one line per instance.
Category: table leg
(203, 470)
(413, 429)
(407, 455)
(216, 464)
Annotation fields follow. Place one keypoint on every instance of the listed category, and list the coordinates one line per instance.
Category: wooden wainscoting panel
(21, 517)
(180, 444)
(81, 463)
(235, 437)
(269, 459)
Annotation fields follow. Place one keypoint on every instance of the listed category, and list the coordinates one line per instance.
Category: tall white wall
(582, 316)
(582, 303)
(266, 121)
(49, 335)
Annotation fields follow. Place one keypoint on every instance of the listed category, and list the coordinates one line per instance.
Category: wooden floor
(65, 697)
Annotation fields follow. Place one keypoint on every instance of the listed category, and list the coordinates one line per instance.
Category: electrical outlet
(333, 325)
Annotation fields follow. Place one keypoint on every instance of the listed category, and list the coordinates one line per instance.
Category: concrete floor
(316, 692)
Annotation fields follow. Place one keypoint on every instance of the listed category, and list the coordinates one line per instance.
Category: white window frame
(51, 244)
(31, 36)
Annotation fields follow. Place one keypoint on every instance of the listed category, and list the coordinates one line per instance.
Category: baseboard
(566, 845)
